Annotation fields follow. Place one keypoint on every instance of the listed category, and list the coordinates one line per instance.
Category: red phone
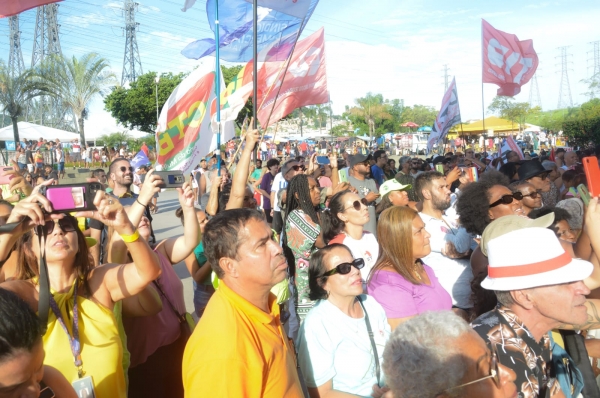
(592, 174)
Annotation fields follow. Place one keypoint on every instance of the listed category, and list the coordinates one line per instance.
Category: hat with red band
(531, 257)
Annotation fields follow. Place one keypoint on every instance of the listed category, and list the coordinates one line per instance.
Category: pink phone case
(64, 199)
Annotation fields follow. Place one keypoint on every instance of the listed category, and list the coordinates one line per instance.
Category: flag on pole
(184, 133)
(448, 116)
(305, 82)
(234, 97)
(507, 61)
(9, 8)
(140, 159)
(509, 144)
(280, 23)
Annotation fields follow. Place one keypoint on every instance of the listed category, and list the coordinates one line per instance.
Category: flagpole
(218, 87)
(482, 99)
(255, 70)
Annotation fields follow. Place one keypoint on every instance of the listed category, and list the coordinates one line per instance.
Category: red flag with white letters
(305, 81)
(507, 61)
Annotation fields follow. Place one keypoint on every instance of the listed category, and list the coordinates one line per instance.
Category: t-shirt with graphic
(279, 183)
(266, 184)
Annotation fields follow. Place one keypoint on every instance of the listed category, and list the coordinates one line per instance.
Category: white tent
(30, 131)
(533, 128)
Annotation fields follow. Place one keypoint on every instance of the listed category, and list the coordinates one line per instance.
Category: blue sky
(393, 47)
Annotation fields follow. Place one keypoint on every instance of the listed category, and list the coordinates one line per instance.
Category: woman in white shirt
(335, 352)
(344, 223)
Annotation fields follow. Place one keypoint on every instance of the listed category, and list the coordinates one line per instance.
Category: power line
(132, 66)
(564, 94)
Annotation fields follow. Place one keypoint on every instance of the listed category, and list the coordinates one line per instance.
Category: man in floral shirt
(539, 287)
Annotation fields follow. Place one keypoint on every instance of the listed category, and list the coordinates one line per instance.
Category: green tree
(15, 92)
(420, 114)
(75, 82)
(135, 107)
(516, 112)
(371, 109)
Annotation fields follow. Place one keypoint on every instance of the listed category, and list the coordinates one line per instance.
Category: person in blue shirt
(380, 158)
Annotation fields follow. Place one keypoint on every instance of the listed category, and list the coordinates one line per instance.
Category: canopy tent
(491, 123)
(30, 131)
(532, 128)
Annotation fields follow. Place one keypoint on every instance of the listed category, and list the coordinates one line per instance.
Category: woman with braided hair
(303, 235)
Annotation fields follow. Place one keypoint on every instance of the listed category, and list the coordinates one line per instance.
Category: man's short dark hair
(272, 162)
(111, 168)
(379, 153)
(221, 236)
(424, 180)
(97, 172)
(559, 150)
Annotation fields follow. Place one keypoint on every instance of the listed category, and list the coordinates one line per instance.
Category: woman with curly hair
(479, 204)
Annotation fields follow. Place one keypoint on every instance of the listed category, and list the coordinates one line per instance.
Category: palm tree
(371, 108)
(75, 82)
(322, 111)
(15, 92)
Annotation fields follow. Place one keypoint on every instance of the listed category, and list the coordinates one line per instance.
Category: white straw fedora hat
(528, 258)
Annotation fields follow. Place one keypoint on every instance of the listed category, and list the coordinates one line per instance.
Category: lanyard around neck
(73, 340)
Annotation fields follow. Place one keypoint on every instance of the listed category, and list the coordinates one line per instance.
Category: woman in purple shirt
(399, 281)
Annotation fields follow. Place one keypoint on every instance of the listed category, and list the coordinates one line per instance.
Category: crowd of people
(329, 276)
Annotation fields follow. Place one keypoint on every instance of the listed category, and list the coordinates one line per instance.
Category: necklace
(417, 270)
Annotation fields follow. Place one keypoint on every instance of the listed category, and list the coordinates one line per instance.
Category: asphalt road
(166, 225)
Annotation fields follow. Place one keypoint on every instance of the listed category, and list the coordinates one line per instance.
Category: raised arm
(178, 248)
(122, 280)
(240, 178)
(212, 206)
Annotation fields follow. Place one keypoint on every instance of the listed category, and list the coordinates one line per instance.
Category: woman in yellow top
(82, 340)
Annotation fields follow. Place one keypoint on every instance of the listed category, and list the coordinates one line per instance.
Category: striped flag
(449, 116)
(509, 144)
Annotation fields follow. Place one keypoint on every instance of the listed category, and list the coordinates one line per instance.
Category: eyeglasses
(67, 224)
(357, 204)
(345, 268)
(296, 168)
(124, 169)
(532, 195)
(494, 373)
(507, 199)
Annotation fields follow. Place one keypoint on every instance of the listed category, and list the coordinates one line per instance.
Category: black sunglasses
(507, 199)
(532, 195)
(296, 168)
(67, 224)
(345, 268)
(356, 204)
(124, 169)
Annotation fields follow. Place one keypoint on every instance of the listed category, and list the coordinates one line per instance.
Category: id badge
(84, 387)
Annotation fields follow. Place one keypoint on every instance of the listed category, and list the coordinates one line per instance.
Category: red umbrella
(410, 124)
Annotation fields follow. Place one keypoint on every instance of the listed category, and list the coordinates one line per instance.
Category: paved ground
(166, 225)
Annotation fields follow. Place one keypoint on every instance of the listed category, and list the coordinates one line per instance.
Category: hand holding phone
(71, 197)
(592, 174)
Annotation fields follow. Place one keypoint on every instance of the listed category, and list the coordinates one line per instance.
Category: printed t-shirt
(238, 350)
(279, 183)
(334, 346)
(400, 298)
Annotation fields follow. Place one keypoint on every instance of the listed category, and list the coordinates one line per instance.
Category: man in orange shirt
(239, 348)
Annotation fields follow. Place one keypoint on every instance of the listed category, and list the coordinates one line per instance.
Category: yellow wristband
(130, 238)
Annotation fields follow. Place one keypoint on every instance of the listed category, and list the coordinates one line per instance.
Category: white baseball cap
(531, 257)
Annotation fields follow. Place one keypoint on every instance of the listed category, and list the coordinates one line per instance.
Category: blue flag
(278, 28)
(140, 160)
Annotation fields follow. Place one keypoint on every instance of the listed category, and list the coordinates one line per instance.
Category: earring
(327, 292)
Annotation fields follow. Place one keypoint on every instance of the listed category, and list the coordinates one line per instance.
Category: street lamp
(156, 80)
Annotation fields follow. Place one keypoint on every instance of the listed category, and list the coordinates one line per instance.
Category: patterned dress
(517, 349)
(301, 233)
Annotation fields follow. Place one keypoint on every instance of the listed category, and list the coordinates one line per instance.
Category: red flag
(552, 155)
(13, 7)
(305, 81)
(507, 61)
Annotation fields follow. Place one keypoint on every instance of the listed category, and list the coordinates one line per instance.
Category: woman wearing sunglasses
(335, 352)
(399, 281)
(437, 355)
(344, 223)
(156, 342)
(82, 334)
(531, 198)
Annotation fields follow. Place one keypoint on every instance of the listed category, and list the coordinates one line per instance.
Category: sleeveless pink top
(147, 334)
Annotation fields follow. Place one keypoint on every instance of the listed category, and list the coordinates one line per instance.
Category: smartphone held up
(71, 197)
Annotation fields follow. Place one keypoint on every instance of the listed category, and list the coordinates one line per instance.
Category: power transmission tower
(446, 77)
(132, 66)
(534, 93)
(595, 77)
(564, 94)
(46, 40)
(15, 57)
